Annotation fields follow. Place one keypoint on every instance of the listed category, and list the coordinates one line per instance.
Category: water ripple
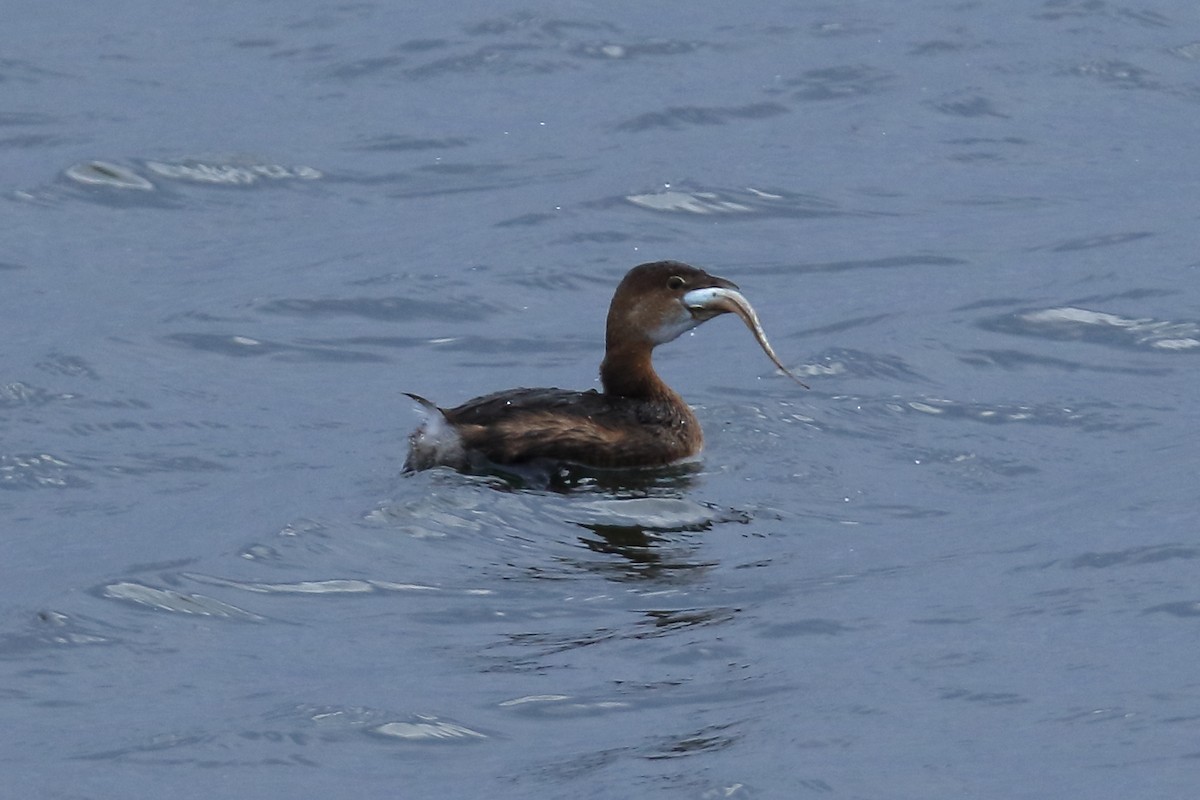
(648, 514)
(400, 143)
(103, 173)
(677, 117)
(389, 309)
(330, 586)
(49, 630)
(18, 394)
(1135, 556)
(1018, 359)
(424, 728)
(149, 463)
(1121, 74)
(710, 739)
(1185, 609)
(1100, 327)
(495, 59)
(846, 362)
(118, 176)
(230, 174)
(1004, 413)
(748, 202)
(174, 601)
(558, 706)
(612, 50)
(248, 347)
(38, 471)
(413, 728)
(1091, 242)
(1083, 9)
(839, 83)
(967, 105)
(885, 262)
(1086, 416)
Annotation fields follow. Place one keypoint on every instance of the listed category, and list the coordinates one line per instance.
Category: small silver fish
(707, 303)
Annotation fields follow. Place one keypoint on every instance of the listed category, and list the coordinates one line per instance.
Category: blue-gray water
(964, 565)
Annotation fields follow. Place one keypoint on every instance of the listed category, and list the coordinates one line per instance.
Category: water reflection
(673, 480)
(644, 555)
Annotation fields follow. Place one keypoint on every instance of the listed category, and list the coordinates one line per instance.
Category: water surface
(964, 564)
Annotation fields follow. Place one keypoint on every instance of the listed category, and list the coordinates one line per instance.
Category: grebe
(636, 421)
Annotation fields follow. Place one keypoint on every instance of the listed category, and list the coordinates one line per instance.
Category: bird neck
(627, 371)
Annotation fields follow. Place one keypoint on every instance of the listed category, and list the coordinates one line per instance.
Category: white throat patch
(671, 329)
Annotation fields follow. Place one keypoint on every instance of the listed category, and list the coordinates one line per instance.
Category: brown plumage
(636, 421)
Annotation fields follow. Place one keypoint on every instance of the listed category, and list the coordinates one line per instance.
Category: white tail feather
(435, 442)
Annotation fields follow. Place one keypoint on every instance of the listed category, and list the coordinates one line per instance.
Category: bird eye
(676, 282)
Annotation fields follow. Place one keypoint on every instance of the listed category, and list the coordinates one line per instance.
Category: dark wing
(499, 406)
(583, 427)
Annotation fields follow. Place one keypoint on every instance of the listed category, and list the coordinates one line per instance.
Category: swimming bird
(636, 420)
